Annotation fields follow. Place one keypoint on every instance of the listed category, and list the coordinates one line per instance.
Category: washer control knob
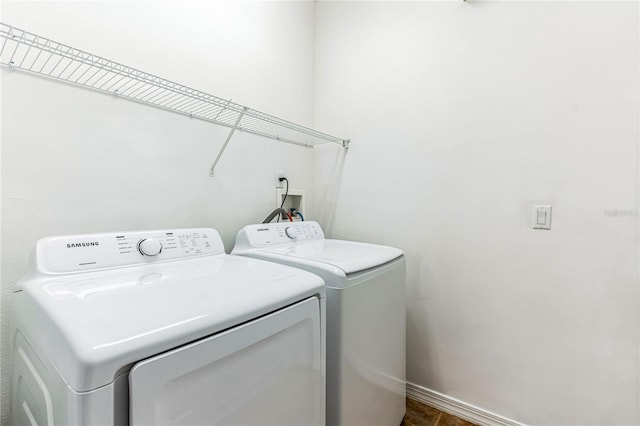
(149, 247)
(291, 232)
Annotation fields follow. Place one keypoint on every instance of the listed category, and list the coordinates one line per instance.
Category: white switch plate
(541, 217)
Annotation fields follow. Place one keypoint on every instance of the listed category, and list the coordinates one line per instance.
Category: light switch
(541, 217)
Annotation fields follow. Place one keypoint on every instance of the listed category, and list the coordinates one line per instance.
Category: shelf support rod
(226, 142)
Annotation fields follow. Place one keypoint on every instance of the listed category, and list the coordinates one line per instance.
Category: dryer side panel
(265, 372)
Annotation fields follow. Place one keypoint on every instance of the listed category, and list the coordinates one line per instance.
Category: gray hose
(273, 214)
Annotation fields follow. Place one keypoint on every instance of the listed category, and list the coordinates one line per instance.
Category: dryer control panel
(77, 253)
(268, 234)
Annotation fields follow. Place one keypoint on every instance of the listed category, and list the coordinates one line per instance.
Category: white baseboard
(458, 408)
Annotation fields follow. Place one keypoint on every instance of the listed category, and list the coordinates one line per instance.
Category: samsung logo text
(89, 244)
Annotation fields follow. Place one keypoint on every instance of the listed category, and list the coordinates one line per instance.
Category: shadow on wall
(422, 355)
(329, 199)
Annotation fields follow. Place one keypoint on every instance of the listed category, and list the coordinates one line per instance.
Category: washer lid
(349, 256)
(93, 325)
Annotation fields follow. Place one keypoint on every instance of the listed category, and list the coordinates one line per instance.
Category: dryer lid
(349, 256)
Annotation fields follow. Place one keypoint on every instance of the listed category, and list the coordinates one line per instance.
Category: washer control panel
(76, 253)
(267, 234)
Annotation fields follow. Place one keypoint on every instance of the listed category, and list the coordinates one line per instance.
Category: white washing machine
(366, 310)
(164, 328)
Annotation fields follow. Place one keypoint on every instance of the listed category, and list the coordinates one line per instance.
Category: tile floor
(419, 414)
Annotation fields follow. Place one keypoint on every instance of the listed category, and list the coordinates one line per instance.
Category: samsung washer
(164, 328)
(366, 311)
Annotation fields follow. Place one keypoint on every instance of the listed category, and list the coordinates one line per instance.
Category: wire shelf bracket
(224, 145)
(28, 52)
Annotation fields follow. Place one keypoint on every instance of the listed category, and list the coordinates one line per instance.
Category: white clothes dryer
(366, 311)
(164, 328)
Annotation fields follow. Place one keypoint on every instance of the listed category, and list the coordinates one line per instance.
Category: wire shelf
(25, 51)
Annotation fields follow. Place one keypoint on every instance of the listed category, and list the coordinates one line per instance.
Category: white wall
(75, 161)
(462, 116)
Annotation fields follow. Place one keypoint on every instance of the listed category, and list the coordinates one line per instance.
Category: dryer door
(268, 371)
